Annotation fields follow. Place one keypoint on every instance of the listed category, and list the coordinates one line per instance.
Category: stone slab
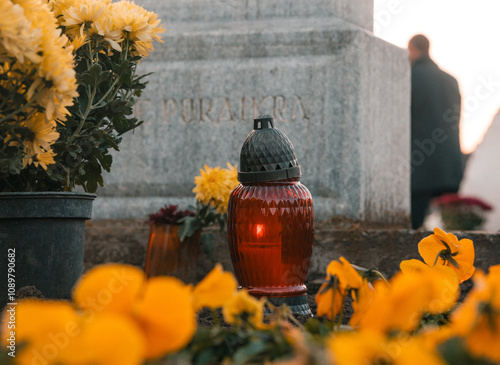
(125, 241)
(338, 92)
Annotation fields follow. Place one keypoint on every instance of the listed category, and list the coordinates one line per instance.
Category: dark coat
(436, 159)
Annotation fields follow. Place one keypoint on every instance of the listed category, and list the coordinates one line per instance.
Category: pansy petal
(166, 315)
(106, 339)
(111, 287)
(429, 248)
(412, 266)
(241, 303)
(39, 324)
(215, 289)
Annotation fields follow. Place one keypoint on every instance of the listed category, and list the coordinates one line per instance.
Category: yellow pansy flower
(341, 278)
(55, 333)
(243, 308)
(348, 276)
(329, 301)
(401, 305)
(477, 320)
(106, 339)
(110, 288)
(441, 279)
(165, 313)
(161, 306)
(373, 348)
(216, 288)
(443, 248)
(362, 300)
(41, 324)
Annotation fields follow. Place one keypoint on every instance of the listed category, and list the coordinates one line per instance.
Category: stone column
(340, 94)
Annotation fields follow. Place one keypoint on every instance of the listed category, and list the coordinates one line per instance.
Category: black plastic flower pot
(42, 240)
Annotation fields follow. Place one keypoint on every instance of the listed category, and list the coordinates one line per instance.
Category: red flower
(455, 200)
(169, 215)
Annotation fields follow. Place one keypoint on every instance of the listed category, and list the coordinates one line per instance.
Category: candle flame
(259, 230)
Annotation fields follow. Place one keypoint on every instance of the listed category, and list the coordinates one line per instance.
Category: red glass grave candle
(271, 219)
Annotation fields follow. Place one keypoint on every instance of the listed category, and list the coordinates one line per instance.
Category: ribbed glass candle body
(271, 233)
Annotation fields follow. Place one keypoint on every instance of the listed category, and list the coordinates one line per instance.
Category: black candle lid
(267, 154)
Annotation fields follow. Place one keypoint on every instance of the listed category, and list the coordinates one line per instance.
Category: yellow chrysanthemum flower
(214, 185)
(82, 13)
(58, 6)
(139, 26)
(443, 248)
(39, 137)
(17, 38)
(105, 28)
(215, 289)
(209, 184)
(44, 159)
(57, 69)
(79, 41)
(55, 86)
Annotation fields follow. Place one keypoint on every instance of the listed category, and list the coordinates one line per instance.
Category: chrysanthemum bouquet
(67, 86)
(462, 213)
(212, 187)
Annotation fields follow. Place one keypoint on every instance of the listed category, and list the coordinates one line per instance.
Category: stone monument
(341, 94)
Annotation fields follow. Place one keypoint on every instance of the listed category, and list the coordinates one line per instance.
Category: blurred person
(436, 159)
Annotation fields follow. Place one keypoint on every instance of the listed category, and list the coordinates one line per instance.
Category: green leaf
(95, 72)
(207, 243)
(188, 227)
(316, 328)
(110, 140)
(246, 353)
(206, 356)
(106, 162)
(454, 352)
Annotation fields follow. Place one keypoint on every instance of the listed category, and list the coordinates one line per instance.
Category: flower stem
(215, 317)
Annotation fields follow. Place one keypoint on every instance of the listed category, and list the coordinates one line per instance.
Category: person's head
(418, 47)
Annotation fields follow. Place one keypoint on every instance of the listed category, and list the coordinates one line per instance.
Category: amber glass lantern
(271, 219)
(168, 255)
